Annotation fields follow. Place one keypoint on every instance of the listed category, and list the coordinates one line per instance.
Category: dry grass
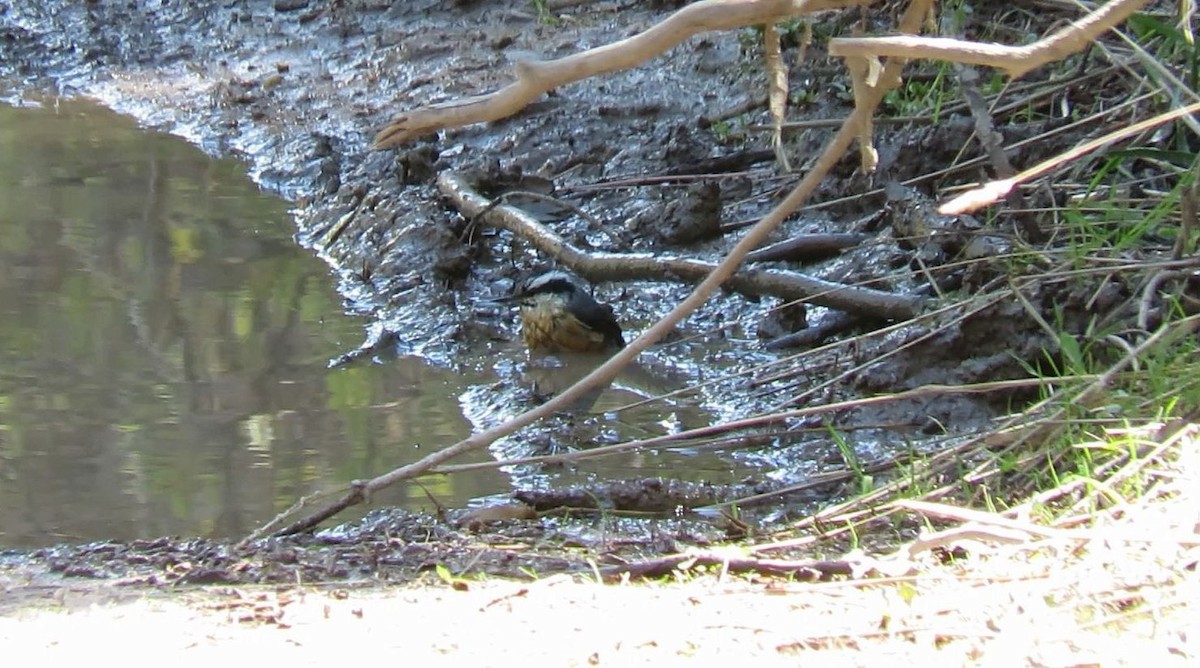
(1110, 581)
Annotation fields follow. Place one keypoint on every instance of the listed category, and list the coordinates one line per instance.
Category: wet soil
(298, 89)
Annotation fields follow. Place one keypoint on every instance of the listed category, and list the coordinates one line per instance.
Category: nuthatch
(558, 315)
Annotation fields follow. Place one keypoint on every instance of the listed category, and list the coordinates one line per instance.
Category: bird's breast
(547, 328)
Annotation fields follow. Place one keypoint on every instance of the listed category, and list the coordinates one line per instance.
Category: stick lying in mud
(631, 266)
(534, 78)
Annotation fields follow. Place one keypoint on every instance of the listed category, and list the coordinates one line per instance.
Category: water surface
(164, 347)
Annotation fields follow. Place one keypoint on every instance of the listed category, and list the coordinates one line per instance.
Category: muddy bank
(298, 89)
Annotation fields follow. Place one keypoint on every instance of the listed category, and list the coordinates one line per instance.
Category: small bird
(559, 316)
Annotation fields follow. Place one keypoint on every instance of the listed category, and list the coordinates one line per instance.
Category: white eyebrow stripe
(543, 279)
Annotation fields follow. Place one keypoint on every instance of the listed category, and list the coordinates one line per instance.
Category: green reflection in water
(163, 345)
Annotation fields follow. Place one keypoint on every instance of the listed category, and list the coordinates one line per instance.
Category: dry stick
(537, 77)
(993, 191)
(944, 511)
(360, 490)
(777, 90)
(1015, 60)
(985, 130)
(807, 247)
(1189, 209)
(804, 571)
(788, 285)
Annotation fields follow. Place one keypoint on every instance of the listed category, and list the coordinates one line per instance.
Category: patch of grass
(1167, 43)
(544, 15)
(1121, 210)
(445, 575)
(923, 96)
(724, 132)
(864, 481)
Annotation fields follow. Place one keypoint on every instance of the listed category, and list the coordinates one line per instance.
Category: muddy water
(164, 346)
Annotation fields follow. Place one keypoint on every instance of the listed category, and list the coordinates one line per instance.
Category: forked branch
(534, 78)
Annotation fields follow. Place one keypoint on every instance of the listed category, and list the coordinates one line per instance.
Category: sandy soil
(949, 616)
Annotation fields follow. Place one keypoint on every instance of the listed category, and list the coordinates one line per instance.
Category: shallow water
(164, 347)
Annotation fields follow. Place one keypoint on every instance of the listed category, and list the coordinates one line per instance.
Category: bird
(558, 315)
(568, 333)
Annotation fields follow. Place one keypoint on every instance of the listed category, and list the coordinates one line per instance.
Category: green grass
(544, 15)
(925, 96)
(862, 479)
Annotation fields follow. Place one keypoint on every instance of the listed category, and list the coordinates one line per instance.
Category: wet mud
(298, 89)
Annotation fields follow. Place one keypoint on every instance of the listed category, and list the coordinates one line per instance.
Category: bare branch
(535, 78)
(1015, 60)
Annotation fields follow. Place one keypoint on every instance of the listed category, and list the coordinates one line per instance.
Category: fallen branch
(1014, 60)
(805, 570)
(807, 247)
(788, 285)
(535, 78)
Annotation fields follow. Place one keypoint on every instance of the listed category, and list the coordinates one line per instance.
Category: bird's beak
(504, 300)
